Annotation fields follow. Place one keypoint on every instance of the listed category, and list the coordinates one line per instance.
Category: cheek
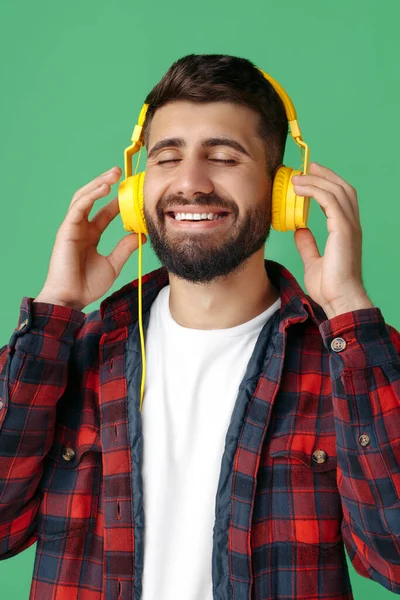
(248, 183)
(247, 192)
(261, 188)
(152, 192)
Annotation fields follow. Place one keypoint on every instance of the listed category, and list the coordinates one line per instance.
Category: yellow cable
(140, 322)
(140, 303)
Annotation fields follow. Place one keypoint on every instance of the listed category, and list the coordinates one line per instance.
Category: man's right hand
(78, 275)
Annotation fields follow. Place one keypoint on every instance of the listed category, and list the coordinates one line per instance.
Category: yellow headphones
(289, 211)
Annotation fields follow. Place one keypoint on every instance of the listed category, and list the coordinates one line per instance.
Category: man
(268, 439)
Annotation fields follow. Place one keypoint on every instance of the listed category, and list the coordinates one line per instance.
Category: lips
(196, 209)
(194, 225)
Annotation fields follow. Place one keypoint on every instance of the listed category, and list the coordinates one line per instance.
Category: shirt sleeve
(33, 376)
(365, 375)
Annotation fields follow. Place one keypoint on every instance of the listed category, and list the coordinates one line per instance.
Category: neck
(227, 302)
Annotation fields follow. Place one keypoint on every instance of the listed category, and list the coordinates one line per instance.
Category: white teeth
(197, 216)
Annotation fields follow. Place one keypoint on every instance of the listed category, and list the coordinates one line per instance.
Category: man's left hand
(333, 280)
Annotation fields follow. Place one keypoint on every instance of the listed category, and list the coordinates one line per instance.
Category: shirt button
(68, 454)
(364, 439)
(319, 456)
(338, 344)
(23, 324)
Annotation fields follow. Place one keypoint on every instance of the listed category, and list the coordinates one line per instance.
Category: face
(206, 160)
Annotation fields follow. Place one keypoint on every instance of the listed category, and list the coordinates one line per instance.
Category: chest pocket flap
(71, 483)
(305, 501)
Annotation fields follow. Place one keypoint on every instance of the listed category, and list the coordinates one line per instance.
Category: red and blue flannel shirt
(311, 464)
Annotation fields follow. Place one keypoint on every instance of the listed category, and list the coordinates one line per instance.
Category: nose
(191, 178)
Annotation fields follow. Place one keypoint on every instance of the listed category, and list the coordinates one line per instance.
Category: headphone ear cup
(131, 203)
(138, 201)
(289, 211)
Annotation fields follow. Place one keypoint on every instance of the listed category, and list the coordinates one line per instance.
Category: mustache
(202, 201)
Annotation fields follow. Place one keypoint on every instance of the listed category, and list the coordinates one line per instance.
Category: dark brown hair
(223, 78)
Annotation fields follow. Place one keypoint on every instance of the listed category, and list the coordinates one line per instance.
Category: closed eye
(164, 162)
(228, 162)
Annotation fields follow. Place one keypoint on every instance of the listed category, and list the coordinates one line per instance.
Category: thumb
(123, 250)
(306, 246)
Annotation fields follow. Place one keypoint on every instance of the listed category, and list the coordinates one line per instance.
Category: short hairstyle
(222, 78)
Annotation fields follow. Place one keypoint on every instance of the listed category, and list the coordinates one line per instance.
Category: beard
(208, 255)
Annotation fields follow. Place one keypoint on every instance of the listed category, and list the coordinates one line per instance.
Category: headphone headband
(288, 211)
(137, 135)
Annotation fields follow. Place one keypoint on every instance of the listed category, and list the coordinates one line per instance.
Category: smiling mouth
(197, 220)
(201, 216)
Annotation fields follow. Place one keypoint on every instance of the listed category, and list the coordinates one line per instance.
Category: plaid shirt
(312, 458)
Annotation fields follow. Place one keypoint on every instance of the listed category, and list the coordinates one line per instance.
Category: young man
(268, 439)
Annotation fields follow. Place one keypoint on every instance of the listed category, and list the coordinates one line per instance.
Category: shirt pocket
(306, 506)
(71, 484)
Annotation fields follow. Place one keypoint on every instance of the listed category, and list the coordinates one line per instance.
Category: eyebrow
(208, 143)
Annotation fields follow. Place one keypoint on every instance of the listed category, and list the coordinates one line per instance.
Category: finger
(329, 203)
(123, 251)
(307, 247)
(317, 169)
(81, 208)
(336, 189)
(106, 214)
(109, 177)
(322, 171)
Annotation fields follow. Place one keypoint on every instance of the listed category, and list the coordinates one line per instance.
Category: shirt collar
(120, 309)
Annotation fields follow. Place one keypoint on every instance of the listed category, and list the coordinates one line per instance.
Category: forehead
(196, 121)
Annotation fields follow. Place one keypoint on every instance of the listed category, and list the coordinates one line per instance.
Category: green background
(74, 77)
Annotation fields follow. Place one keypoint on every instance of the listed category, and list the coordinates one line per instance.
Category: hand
(333, 280)
(78, 274)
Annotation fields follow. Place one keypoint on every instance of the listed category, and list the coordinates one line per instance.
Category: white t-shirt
(192, 382)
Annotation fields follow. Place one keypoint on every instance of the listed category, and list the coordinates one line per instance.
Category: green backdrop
(74, 76)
